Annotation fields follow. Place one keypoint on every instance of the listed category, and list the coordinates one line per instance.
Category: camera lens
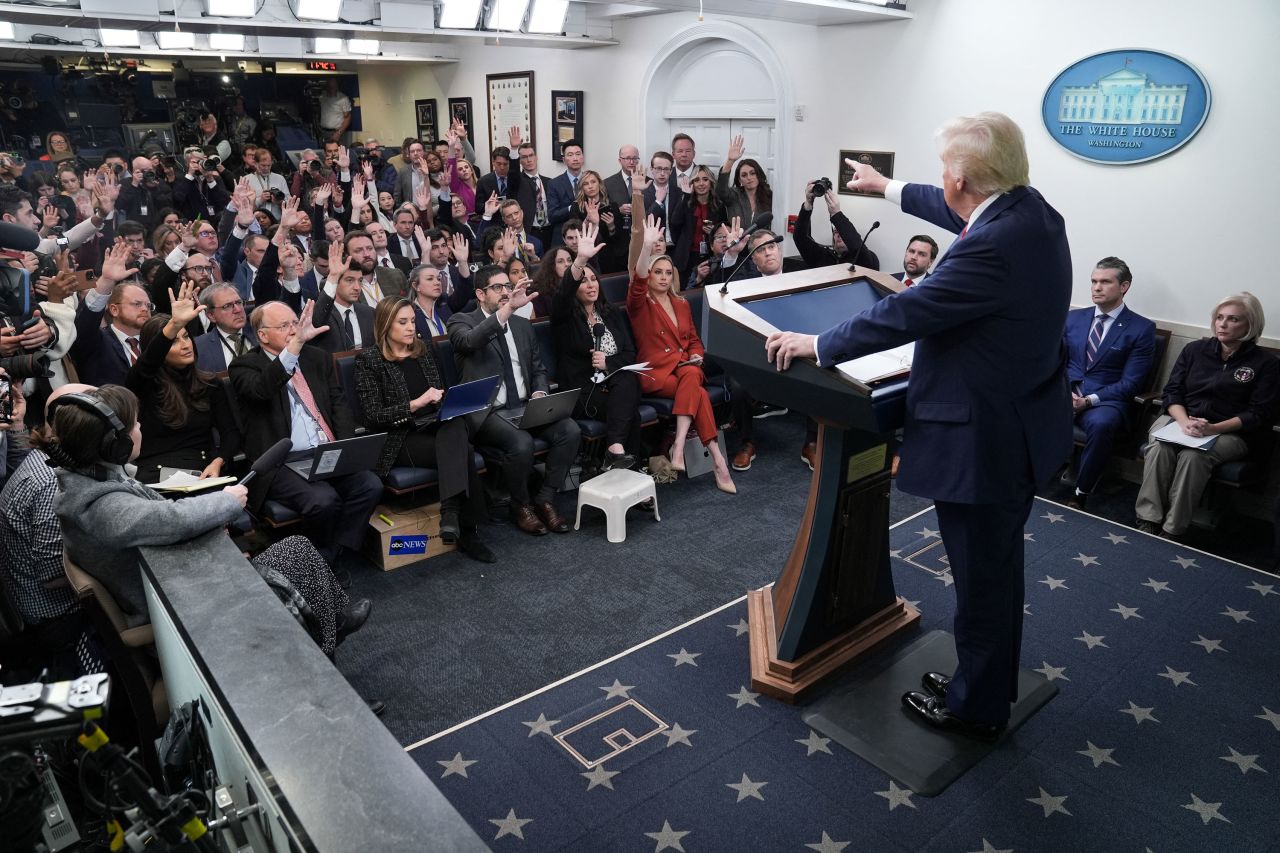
(313, 165)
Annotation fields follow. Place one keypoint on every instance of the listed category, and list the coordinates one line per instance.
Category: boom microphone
(18, 238)
(756, 225)
(269, 461)
(597, 331)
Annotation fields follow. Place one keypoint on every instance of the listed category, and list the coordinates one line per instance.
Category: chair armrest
(138, 637)
(1147, 398)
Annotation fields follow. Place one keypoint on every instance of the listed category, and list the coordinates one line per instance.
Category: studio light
(6, 31)
(226, 42)
(460, 14)
(548, 16)
(118, 38)
(230, 8)
(365, 47)
(507, 15)
(176, 40)
(317, 10)
(327, 45)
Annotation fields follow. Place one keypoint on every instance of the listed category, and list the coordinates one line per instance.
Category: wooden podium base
(788, 680)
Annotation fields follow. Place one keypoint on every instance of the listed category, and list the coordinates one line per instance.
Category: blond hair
(987, 150)
(1252, 309)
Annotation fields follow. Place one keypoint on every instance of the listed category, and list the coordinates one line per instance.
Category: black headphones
(117, 444)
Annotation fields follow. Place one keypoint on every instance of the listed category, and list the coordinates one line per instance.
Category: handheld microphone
(874, 226)
(724, 288)
(17, 238)
(756, 225)
(269, 461)
(597, 331)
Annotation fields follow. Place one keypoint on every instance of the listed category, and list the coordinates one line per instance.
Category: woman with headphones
(106, 515)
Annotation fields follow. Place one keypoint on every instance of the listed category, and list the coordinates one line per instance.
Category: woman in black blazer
(400, 391)
(579, 316)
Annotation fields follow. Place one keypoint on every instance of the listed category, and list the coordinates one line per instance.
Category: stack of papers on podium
(181, 481)
(879, 366)
(1171, 433)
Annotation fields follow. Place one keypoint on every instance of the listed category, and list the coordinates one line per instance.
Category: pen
(386, 520)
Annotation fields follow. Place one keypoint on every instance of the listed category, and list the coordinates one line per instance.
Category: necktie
(573, 184)
(508, 374)
(963, 231)
(348, 327)
(540, 214)
(628, 189)
(502, 186)
(135, 353)
(237, 343)
(1095, 339)
(303, 390)
(907, 282)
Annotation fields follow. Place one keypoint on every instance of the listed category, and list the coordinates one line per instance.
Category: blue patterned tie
(1095, 340)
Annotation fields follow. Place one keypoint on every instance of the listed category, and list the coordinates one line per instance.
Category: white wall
(1194, 225)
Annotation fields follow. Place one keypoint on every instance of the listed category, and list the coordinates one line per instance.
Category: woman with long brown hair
(400, 391)
(750, 196)
(186, 418)
(592, 204)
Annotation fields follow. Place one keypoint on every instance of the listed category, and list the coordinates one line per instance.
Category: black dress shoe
(341, 574)
(351, 619)
(377, 706)
(935, 684)
(450, 528)
(618, 460)
(469, 543)
(934, 712)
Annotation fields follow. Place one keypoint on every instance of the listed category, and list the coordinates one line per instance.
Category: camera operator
(269, 188)
(384, 174)
(11, 168)
(209, 137)
(310, 175)
(848, 246)
(200, 193)
(144, 194)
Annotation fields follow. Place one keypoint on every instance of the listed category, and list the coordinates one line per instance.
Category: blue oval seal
(1126, 106)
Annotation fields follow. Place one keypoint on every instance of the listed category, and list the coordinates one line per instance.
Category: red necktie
(133, 349)
(963, 231)
(299, 383)
(907, 282)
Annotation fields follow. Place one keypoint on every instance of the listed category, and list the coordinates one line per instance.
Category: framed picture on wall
(425, 114)
(566, 109)
(881, 160)
(460, 109)
(510, 99)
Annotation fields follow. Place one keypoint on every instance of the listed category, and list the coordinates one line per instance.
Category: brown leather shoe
(744, 457)
(552, 518)
(809, 453)
(526, 520)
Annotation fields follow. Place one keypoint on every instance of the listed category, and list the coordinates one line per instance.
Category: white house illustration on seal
(1124, 96)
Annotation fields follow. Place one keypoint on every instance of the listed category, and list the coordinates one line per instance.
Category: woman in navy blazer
(988, 410)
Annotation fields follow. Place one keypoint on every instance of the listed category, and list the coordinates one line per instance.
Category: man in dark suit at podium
(988, 401)
(1109, 354)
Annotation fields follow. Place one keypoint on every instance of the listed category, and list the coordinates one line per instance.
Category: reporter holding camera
(200, 193)
(145, 194)
(847, 243)
(269, 188)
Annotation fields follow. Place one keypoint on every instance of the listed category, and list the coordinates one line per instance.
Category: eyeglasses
(206, 233)
(239, 303)
(292, 324)
(148, 305)
(509, 287)
(201, 269)
(635, 159)
(661, 168)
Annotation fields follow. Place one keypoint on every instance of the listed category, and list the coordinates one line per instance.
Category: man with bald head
(143, 193)
(31, 552)
(288, 389)
(618, 185)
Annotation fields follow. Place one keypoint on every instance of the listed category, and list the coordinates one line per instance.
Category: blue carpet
(1165, 736)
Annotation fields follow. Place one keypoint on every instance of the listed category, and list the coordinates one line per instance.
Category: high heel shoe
(726, 484)
(679, 467)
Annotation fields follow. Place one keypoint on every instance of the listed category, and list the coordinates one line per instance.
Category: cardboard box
(412, 536)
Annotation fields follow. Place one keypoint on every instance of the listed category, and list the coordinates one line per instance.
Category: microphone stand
(724, 288)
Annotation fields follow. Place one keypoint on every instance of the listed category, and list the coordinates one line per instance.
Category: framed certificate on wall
(510, 99)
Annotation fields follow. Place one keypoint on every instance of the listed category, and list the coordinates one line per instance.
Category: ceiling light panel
(548, 16)
(118, 38)
(230, 8)
(226, 42)
(176, 40)
(460, 14)
(507, 15)
(6, 31)
(317, 10)
(364, 47)
(327, 45)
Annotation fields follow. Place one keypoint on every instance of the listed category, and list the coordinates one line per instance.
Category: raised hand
(185, 307)
(338, 261)
(335, 191)
(593, 212)
(422, 196)
(50, 216)
(736, 148)
(510, 238)
(291, 261)
(115, 266)
(323, 193)
(460, 249)
(491, 205)
(513, 137)
(520, 297)
(640, 178)
(289, 213)
(186, 234)
(245, 204)
(735, 231)
(344, 158)
(420, 237)
(366, 169)
(305, 330)
(357, 192)
(588, 248)
(460, 129)
(653, 230)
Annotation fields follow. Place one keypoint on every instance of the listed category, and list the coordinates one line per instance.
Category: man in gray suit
(412, 174)
(493, 341)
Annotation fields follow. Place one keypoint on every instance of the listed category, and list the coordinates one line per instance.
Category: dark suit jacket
(384, 396)
(560, 196)
(818, 255)
(398, 261)
(211, 355)
(488, 185)
(988, 392)
(260, 382)
(97, 354)
(477, 353)
(1123, 363)
(392, 282)
(615, 187)
(326, 313)
(574, 340)
(266, 285)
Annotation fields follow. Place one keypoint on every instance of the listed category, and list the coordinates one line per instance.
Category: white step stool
(615, 492)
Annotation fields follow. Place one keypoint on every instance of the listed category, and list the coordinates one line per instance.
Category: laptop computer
(543, 410)
(463, 399)
(339, 458)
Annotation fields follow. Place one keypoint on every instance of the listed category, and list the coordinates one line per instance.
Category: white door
(711, 141)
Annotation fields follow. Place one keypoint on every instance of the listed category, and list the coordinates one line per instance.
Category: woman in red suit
(667, 339)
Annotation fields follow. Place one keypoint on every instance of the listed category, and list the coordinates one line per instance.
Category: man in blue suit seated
(230, 334)
(1109, 355)
(987, 405)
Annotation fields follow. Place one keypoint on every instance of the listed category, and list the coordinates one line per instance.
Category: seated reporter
(1223, 386)
(494, 341)
(180, 406)
(667, 338)
(287, 389)
(576, 311)
(400, 391)
(107, 515)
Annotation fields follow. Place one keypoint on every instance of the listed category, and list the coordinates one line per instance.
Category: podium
(834, 599)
